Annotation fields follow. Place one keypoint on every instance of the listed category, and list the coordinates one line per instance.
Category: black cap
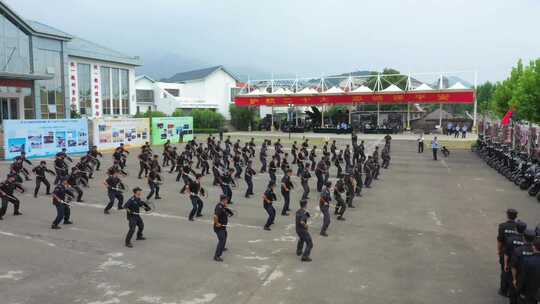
(136, 189)
(303, 203)
(222, 197)
(271, 184)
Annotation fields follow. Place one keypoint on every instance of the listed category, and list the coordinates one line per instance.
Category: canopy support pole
(408, 116)
(440, 116)
(378, 114)
(474, 128)
(322, 116)
(272, 120)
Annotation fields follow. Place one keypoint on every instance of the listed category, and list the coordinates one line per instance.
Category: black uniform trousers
(249, 190)
(197, 206)
(154, 188)
(326, 217)
(43, 180)
(114, 195)
(305, 186)
(134, 221)
(5, 201)
(304, 238)
(221, 234)
(63, 212)
(271, 214)
(286, 201)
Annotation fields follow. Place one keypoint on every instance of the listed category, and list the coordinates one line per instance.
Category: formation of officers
(226, 162)
(519, 259)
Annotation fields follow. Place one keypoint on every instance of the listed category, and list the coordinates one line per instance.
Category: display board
(44, 137)
(171, 128)
(108, 133)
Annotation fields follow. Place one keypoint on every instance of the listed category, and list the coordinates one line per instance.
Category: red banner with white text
(462, 97)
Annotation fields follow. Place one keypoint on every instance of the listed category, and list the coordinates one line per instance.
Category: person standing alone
(420, 143)
(435, 147)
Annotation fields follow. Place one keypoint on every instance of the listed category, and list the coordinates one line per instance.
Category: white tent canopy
(423, 87)
(307, 91)
(255, 92)
(362, 89)
(281, 91)
(457, 86)
(334, 90)
(392, 88)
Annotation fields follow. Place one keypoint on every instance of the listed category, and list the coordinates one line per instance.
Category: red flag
(506, 119)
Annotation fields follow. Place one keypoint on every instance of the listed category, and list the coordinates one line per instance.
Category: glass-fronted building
(47, 73)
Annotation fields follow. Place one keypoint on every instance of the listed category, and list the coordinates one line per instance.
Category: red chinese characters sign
(463, 97)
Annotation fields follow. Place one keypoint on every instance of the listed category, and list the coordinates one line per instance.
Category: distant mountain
(450, 81)
(159, 66)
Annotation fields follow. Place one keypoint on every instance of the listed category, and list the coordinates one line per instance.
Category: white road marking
(149, 299)
(260, 270)
(285, 238)
(112, 262)
(206, 298)
(254, 241)
(14, 275)
(253, 257)
(111, 301)
(26, 238)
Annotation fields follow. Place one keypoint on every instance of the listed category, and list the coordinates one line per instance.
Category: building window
(145, 96)
(106, 90)
(234, 92)
(124, 81)
(84, 85)
(14, 48)
(51, 91)
(116, 91)
(173, 92)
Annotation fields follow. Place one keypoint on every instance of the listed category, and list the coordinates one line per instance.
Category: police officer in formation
(133, 214)
(221, 220)
(41, 178)
(269, 197)
(305, 244)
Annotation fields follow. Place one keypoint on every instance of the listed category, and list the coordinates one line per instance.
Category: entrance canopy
(370, 88)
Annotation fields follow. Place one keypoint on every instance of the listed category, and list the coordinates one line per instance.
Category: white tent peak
(457, 86)
(307, 91)
(281, 91)
(334, 90)
(423, 87)
(255, 92)
(392, 88)
(362, 89)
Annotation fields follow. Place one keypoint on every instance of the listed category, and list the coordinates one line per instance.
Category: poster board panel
(108, 133)
(171, 128)
(44, 137)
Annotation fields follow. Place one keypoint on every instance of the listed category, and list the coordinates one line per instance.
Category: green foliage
(484, 94)
(204, 119)
(74, 114)
(150, 114)
(526, 93)
(502, 95)
(178, 113)
(337, 113)
(242, 117)
(206, 131)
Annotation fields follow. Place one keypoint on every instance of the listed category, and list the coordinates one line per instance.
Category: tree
(207, 119)
(484, 94)
(241, 117)
(502, 95)
(526, 93)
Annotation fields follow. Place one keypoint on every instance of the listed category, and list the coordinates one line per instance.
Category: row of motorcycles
(517, 166)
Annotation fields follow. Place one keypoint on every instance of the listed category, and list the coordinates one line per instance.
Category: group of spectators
(456, 130)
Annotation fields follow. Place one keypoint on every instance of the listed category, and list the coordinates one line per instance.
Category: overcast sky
(308, 37)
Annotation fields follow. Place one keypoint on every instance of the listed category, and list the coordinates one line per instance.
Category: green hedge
(206, 131)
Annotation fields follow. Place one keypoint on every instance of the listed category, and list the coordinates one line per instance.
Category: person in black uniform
(269, 197)
(357, 172)
(294, 152)
(320, 173)
(154, 180)
(512, 242)
(195, 190)
(385, 156)
(237, 161)
(41, 178)
(21, 159)
(63, 154)
(144, 164)
(221, 220)
(529, 280)
(94, 154)
(349, 190)
(324, 206)
(154, 164)
(272, 168)
(133, 216)
(114, 191)
(304, 180)
(312, 157)
(174, 157)
(262, 157)
(505, 230)
(248, 177)
(226, 181)
(341, 206)
(60, 167)
(124, 152)
(304, 237)
(286, 187)
(7, 189)
(73, 181)
(368, 170)
(61, 197)
(518, 256)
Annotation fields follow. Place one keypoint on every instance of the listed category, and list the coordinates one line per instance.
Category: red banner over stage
(462, 96)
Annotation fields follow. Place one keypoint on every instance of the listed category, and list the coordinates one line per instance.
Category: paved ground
(425, 233)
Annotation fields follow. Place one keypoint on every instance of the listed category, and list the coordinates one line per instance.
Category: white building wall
(218, 90)
(95, 66)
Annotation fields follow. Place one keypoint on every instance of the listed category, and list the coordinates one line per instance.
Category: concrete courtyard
(425, 233)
